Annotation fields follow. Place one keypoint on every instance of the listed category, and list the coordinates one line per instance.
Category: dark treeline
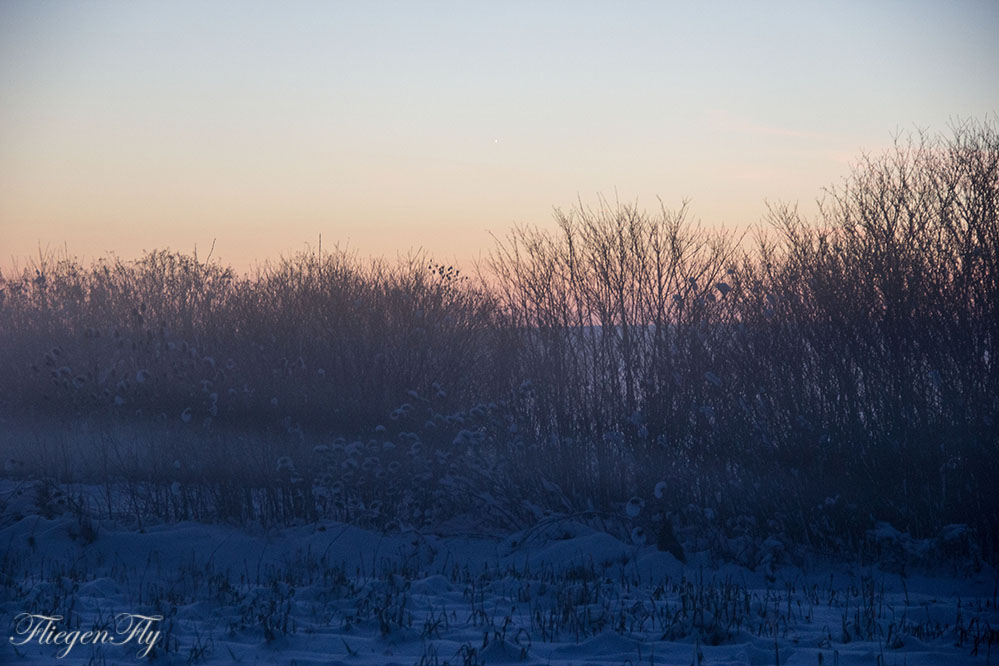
(827, 373)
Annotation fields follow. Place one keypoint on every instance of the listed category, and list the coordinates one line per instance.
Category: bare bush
(840, 371)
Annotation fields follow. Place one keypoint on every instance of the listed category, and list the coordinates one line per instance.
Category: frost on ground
(563, 592)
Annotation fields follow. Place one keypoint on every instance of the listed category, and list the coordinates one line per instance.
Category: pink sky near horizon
(395, 126)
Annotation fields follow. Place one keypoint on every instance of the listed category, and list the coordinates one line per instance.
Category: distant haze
(392, 126)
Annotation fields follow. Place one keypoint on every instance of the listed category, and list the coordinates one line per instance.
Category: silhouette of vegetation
(832, 373)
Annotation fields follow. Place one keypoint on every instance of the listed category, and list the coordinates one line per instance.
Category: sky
(387, 127)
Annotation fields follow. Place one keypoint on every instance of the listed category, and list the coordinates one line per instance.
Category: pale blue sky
(136, 125)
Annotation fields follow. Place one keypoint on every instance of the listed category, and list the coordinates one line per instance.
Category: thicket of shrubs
(831, 373)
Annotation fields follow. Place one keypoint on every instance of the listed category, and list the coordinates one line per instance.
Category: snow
(633, 507)
(560, 593)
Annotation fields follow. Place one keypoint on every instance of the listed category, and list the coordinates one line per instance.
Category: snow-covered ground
(560, 593)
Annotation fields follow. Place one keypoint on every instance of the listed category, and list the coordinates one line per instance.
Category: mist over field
(822, 391)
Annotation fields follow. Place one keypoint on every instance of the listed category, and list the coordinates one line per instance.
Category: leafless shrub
(839, 371)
